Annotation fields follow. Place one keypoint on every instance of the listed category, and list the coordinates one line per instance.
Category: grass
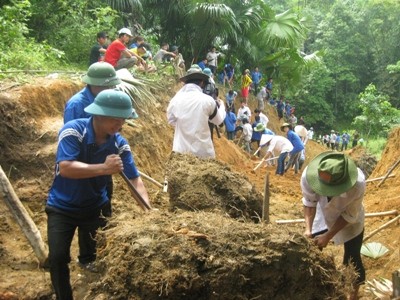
(375, 146)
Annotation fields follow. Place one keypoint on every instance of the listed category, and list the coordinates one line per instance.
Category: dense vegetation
(338, 61)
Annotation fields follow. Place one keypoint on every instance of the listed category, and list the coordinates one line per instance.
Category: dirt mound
(207, 256)
(364, 160)
(390, 154)
(206, 184)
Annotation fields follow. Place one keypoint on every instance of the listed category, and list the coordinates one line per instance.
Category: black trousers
(61, 228)
(352, 255)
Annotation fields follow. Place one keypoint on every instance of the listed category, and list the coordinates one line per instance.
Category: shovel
(264, 160)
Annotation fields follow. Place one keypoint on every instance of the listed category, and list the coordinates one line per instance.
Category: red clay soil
(181, 251)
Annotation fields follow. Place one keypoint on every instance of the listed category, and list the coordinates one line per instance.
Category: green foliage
(310, 100)
(376, 145)
(78, 33)
(13, 22)
(31, 56)
(19, 52)
(378, 115)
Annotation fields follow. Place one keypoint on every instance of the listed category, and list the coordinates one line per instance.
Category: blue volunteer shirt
(230, 121)
(294, 138)
(76, 141)
(74, 109)
(256, 134)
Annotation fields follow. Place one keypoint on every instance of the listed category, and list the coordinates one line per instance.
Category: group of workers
(91, 149)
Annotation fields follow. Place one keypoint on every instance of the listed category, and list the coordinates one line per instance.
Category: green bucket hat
(195, 72)
(112, 103)
(101, 74)
(259, 127)
(331, 174)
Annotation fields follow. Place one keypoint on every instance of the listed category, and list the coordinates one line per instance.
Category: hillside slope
(31, 116)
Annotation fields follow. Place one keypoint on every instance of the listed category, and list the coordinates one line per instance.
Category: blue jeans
(280, 169)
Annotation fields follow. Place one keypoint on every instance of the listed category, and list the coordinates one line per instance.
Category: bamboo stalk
(41, 71)
(367, 215)
(265, 210)
(26, 223)
(387, 224)
(379, 178)
(388, 173)
(151, 179)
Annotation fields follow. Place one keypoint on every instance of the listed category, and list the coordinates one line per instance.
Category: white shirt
(278, 143)
(241, 113)
(264, 119)
(159, 55)
(310, 134)
(348, 205)
(212, 58)
(189, 111)
(247, 132)
(262, 94)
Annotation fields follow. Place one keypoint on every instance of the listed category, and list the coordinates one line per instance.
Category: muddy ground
(206, 241)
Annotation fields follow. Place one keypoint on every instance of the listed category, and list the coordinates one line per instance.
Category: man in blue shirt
(256, 76)
(89, 151)
(298, 146)
(100, 76)
(203, 63)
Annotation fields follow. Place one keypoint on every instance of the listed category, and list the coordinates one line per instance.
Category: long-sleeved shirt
(347, 205)
(189, 112)
(278, 143)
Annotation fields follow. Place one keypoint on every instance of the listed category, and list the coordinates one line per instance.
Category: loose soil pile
(202, 255)
(202, 243)
(198, 184)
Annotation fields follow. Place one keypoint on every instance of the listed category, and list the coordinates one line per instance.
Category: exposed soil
(206, 241)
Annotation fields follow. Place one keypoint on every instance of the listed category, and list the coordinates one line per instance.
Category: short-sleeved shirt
(95, 53)
(160, 55)
(294, 138)
(256, 134)
(113, 53)
(230, 98)
(76, 142)
(74, 108)
(256, 77)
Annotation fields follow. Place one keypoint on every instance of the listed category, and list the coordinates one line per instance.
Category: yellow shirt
(246, 81)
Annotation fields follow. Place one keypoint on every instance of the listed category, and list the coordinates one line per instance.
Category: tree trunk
(27, 225)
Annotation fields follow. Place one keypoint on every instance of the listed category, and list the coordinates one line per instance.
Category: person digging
(89, 151)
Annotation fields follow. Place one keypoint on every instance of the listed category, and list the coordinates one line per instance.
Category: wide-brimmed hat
(265, 138)
(259, 127)
(331, 174)
(300, 130)
(112, 103)
(285, 125)
(195, 72)
(101, 74)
